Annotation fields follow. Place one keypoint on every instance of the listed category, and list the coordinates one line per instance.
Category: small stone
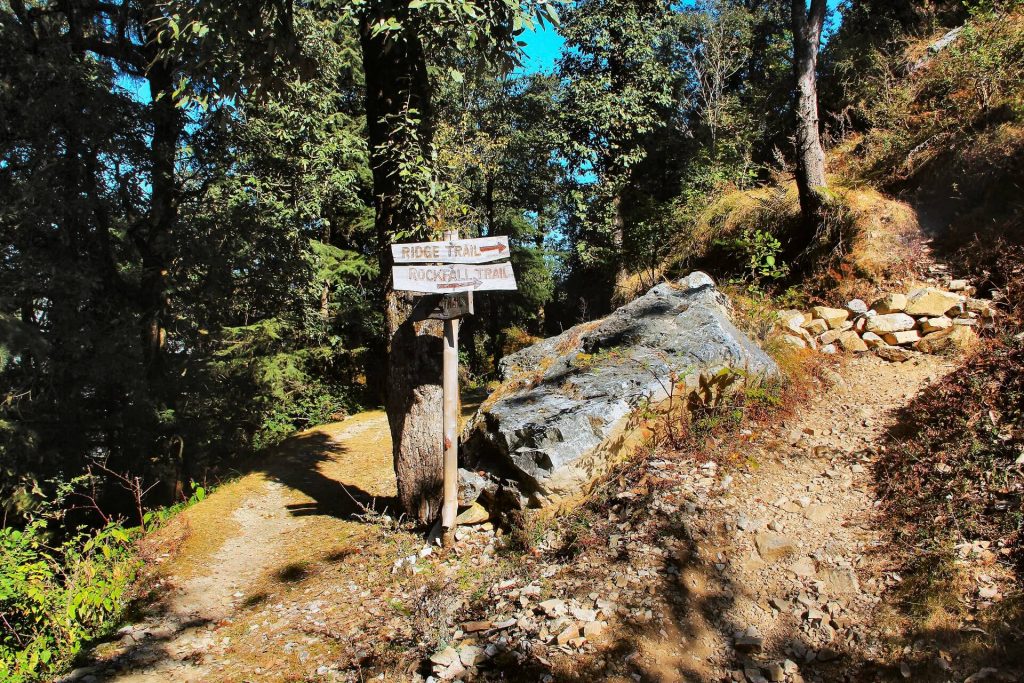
(891, 322)
(957, 285)
(474, 514)
(445, 657)
(749, 643)
(553, 607)
(469, 655)
(775, 672)
(593, 629)
(988, 592)
(851, 343)
(981, 307)
(773, 546)
(931, 302)
(816, 327)
(476, 626)
(818, 514)
(834, 317)
(452, 671)
(901, 338)
(857, 306)
(568, 634)
(792, 318)
(839, 580)
(803, 567)
(891, 303)
(872, 340)
(935, 324)
(894, 354)
(829, 349)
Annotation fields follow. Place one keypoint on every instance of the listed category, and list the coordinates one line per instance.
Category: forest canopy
(195, 198)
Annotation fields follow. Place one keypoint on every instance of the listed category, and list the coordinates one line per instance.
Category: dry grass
(869, 241)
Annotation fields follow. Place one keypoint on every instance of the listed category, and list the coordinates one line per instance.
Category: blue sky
(543, 45)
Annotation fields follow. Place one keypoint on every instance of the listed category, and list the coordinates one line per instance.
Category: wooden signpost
(452, 270)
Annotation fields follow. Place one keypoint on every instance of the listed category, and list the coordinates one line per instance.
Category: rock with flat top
(474, 514)
(890, 322)
(792, 318)
(564, 412)
(570, 633)
(935, 324)
(901, 338)
(982, 307)
(830, 337)
(930, 302)
(890, 303)
(772, 546)
(857, 307)
(872, 340)
(833, 317)
(816, 327)
(956, 337)
(851, 342)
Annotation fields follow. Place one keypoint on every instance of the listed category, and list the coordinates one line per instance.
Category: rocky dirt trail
(231, 542)
(793, 542)
(767, 567)
(764, 562)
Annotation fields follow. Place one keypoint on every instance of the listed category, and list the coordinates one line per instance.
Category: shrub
(949, 472)
(52, 600)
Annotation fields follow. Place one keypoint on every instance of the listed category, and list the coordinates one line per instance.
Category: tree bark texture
(396, 82)
(810, 156)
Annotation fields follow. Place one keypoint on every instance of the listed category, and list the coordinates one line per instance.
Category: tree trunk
(810, 157)
(325, 287)
(163, 215)
(396, 81)
(154, 246)
(620, 293)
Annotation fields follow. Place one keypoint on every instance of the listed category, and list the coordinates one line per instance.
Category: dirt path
(791, 544)
(235, 541)
(768, 567)
(764, 568)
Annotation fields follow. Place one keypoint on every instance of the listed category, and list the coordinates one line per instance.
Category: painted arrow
(465, 251)
(475, 284)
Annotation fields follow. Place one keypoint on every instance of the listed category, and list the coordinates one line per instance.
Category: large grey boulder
(562, 415)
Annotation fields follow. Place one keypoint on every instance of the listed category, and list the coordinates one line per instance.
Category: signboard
(476, 250)
(443, 306)
(451, 279)
(468, 267)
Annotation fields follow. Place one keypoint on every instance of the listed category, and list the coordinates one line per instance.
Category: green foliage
(760, 251)
(52, 600)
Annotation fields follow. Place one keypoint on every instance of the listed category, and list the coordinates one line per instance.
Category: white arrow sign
(452, 279)
(477, 250)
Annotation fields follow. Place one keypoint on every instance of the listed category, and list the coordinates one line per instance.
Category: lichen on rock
(561, 417)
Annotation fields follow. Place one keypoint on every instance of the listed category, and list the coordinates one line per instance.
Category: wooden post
(450, 386)
(451, 423)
